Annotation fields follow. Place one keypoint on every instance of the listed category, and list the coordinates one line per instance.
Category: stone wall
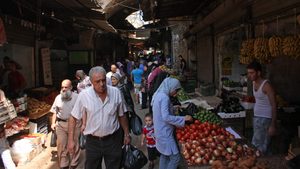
(179, 44)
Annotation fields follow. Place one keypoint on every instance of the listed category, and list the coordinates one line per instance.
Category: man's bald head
(65, 90)
(66, 85)
(113, 68)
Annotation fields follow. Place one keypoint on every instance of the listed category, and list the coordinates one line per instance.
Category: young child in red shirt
(148, 134)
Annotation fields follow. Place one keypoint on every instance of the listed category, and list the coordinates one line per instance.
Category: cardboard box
(23, 158)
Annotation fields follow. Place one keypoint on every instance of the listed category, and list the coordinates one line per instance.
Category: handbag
(135, 123)
(133, 158)
(82, 141)
(53, 139)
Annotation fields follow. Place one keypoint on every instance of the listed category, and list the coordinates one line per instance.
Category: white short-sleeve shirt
(102, 117)
(63, 108)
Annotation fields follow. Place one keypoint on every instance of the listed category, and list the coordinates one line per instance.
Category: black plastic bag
(53, 139)
(191, 109)
(82, 140)
(133, 158)
(175, 101)
(135, 123)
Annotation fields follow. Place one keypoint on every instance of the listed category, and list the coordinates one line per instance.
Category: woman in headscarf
(116, 81)
(165, 123)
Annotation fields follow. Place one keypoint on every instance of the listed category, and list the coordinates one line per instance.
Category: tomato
(188, 135)
(193, 126)
(201, 135)
(179, 136)
(206, 133)
(213, 133)
(197, 122)
(208, 128)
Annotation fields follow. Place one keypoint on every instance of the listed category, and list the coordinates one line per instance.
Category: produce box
(198, 103)
(241, 114)
(233, 88)
(25, 151)
(247, 105)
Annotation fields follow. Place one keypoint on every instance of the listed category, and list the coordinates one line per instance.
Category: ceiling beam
(200, 7)
(77, 13)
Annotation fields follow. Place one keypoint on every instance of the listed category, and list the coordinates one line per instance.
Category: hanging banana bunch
(291, 46)
(275, 46)
(297, 55)
(261, 50)
(246, 53)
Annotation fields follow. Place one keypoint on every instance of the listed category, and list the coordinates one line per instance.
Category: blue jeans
(169, 162)
(261, 138)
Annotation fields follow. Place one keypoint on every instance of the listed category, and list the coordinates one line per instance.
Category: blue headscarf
(167, 86)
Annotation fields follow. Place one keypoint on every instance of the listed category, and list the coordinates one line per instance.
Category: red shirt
(16, 81)
(149, 133)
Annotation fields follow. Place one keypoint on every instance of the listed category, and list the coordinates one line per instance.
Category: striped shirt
(102, 117)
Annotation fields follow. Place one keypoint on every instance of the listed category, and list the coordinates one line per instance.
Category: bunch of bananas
(261, 50)
(291, 46)
(247, 51)
(275, 46)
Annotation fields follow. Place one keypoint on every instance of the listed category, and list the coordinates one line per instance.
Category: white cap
(150, 63)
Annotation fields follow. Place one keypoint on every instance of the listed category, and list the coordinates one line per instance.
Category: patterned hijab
(167, 86)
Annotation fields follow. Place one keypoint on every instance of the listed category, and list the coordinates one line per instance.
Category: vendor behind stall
(16, 81)
(4, 146)
(264, 120)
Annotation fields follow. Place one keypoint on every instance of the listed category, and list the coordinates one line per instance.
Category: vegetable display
(203, 143)
(245, 162)
(231, 105)
(207, 116)
(182, 95)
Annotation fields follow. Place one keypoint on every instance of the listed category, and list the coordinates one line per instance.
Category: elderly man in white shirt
(105, 109)
(61, 109)
(84, 80)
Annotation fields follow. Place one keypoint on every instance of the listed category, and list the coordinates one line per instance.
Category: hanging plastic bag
(82, 140)
(133, 158)
(136, 124)
(53, 139)
(191, 109)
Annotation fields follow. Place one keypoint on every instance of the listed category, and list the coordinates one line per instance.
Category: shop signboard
(45, 53)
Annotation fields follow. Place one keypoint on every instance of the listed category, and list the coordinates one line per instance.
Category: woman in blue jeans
(165, 123)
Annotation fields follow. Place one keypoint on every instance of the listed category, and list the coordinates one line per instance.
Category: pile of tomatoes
(199, 130)
(202, 143)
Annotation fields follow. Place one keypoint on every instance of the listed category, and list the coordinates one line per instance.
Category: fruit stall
(215, 138)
